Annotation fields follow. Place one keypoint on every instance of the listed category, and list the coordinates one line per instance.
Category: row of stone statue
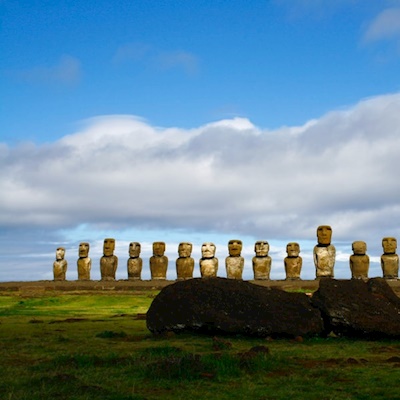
(324, 260)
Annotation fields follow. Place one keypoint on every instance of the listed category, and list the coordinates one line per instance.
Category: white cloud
(66, 71)
(228, 177)
(155, 58)
(179, 59)
(386, 25)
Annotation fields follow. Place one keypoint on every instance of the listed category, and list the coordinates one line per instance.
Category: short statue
(359, 261)
(158, 262)
(261, 261)
(293, 262)
(208, 262)
(84, 262)
(389, 258)
(185, 263)
(234, 263)
(324, 253)
(60, 265)
(109, 262)
(134, 263)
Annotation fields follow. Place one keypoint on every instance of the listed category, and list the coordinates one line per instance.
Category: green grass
(97, 347)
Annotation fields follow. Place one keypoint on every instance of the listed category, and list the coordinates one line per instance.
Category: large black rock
(226, 306)
(354, 308)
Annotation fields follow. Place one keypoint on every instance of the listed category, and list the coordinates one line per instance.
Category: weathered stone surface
(219, 305)
(324, 253)
(261, 261)
(355, 308)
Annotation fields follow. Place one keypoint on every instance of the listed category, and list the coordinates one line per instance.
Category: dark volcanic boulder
(227, 306)
(359, 309)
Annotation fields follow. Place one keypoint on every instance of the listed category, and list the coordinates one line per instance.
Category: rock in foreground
(368, 310)
(227, 306)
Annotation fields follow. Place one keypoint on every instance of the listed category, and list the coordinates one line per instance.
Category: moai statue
(84, 263)
(293, 262)
(60, 265)
(158, 262)
(208, 262)
(324, 253)
(261, 261)
(359, 261)
(134, 263)
(234, 263)
(109, 262)
(389, 258)
(185, 263)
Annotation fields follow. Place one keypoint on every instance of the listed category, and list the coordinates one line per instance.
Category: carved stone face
(83, 249)
(134, 249)
(235, 247)
(324, 235)
(261, 248)
(60, 253)
(389, 245)
(185, 249)
(359, 248)
(208, 250)
(293, 249)
(108, 247)
(158, 248)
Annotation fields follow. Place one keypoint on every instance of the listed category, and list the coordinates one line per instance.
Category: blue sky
(197, 120)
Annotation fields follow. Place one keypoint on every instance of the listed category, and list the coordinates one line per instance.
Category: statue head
(389, 245)
(235, 247)
(324, 235)
(60, 253)
(359, 248)
(84, 249)
(158, 248)
(208, 250)
(109, 247)
(134, 249)
(293, 249)
(185, 249)
(261, 248)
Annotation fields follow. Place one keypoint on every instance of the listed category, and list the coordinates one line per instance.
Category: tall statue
(208, 262)
(324, 253)
(234, 263)
(293, 262)
(134, 263)
(60, 265)
(109, 262)
(158, 262)
(389, 258)
(185, 263)
(261, 261)
(359, 261)
(84, 262)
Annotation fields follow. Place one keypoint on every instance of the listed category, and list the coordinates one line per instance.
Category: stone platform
(126, 286)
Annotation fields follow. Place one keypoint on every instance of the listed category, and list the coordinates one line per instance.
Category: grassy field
(96, 346)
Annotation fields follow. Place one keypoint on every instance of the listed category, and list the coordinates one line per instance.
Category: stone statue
(324, 253)
(84, 262)
(208, 262)
(293, 262)
(389, 258)
(359, 261)
(261, 261)
(60, 265)
(134, 263)
(109, 262)
(158, 262)
(234, 263)
(185, 263)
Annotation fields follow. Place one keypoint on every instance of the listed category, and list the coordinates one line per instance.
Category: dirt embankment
(127, 286)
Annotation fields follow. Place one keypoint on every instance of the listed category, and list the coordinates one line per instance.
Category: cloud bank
(230, 177)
